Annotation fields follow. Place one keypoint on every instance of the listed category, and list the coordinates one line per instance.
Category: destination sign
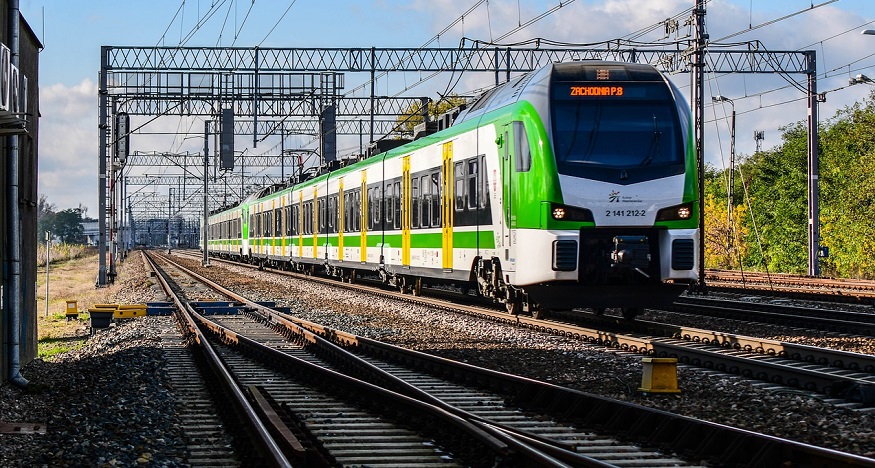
(596, 91)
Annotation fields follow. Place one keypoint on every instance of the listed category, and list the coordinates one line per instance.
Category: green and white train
(571, 186)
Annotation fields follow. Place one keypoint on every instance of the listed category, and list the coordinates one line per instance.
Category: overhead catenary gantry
(277, 91)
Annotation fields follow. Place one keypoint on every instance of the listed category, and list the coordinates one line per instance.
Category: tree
(67, 226)
(45, 217)
(413, 115)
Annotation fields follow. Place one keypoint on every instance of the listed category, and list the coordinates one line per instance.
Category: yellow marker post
(72, 310)
(660, 375)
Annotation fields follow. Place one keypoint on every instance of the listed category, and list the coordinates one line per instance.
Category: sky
(72, 33)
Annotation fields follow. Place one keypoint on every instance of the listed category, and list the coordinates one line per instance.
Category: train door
(448, 206)
(506, 222)
(406, 209)
(282, 222)
(316, 221)
(341, 210)
(363, 242)
(301, 224)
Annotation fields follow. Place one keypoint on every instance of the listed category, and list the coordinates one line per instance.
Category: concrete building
(19, 133)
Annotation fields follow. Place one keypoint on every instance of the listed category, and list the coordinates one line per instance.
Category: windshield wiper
(654, 144)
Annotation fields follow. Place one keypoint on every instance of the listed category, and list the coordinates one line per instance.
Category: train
(572, 186)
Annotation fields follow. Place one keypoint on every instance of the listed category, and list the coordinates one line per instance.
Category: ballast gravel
(109, 404)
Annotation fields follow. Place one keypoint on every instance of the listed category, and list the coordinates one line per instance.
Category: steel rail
(716, 359)
(513, 436)
(830, 320)
(265, 443)
(682, 434)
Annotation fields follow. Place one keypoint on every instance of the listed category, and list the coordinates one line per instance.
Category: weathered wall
(28, 167)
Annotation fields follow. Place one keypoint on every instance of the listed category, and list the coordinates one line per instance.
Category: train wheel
(351, 277)
(401, 283)
(629, 313)
(514, 306)
(417, 286)
(539, 312)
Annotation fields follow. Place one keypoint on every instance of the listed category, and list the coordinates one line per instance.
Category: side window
(425, 202)
(388, 195)
(377, 206)
(414, 199)
(523, 153)
(347, 209)
(435, 199)
(320, 213)
(357, 220)
(459, 185)
(335, 219)
(484, 182)
(296, 219)
(396, 202)
(471, 188)
(278, 221)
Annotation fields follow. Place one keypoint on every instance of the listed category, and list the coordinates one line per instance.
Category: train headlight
(569, 213)
(675, 213)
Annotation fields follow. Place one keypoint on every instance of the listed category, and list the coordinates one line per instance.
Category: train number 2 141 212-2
(618, 213)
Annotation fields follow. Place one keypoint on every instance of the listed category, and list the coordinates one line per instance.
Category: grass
(69, 280)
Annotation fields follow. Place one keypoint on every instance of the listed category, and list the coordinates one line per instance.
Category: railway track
(843, 376)
(351, 435)
(616, 416)
(861, 322)
(786, 285)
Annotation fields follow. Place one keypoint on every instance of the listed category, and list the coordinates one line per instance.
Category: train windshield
(628, 132)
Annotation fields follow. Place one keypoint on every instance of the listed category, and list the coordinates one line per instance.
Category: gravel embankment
(104, 404)
(131, 421)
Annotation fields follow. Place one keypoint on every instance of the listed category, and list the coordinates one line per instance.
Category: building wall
(28, 167)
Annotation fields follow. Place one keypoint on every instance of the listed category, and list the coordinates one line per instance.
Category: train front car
(603, 213)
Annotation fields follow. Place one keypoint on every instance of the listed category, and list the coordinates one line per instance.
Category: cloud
(68, 145)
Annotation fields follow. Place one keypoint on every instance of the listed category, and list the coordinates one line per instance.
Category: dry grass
(73, 280)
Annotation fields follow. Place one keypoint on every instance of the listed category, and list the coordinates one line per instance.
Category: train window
(396, 201)
(310, 213)
(471, 188)
(332, 214)
(436, 199)
(268, 223)
(425, 201)
(484, 182)
(347, 208)
(522, 150)
(356, 211)
(278, 222)
(251, 224)
(372, 207)
(320, 214)
(296, 218)
(459, 185)
(389, 204)
(414, 197)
